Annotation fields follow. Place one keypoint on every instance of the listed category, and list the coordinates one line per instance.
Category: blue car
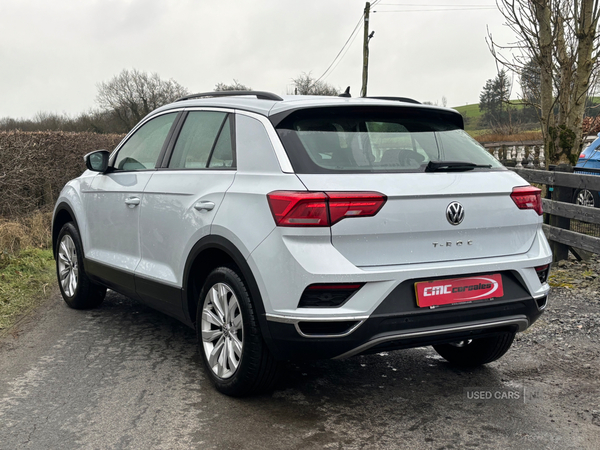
(589, 159)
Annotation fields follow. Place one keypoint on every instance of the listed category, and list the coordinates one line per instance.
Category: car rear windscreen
(376, 139)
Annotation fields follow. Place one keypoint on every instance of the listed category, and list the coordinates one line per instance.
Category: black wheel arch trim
(226, 246)
(55, 231)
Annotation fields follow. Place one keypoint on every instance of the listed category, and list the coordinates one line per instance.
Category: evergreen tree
(494, 100)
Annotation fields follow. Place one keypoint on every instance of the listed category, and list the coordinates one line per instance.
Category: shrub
(34, 166)
(24, 232)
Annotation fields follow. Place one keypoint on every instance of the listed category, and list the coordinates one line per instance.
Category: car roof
(269, 107)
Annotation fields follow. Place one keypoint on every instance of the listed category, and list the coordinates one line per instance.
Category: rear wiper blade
(454, 166)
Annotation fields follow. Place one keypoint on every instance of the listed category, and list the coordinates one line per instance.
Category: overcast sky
(53, 53)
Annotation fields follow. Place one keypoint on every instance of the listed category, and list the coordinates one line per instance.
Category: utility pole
(367, 38)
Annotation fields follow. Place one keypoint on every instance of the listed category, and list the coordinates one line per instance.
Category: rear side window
(204, 142)
(222, 154)
(359, 140)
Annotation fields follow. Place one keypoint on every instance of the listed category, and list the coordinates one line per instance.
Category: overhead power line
(341, 57)
(346, 44)
(434, 7)
(345, 47)
(432, 10)
(484, 5)
(342, 53)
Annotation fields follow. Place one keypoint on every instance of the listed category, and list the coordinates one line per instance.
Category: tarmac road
(126, 377)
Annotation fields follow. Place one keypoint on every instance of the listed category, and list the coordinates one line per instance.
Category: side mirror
(97, 161)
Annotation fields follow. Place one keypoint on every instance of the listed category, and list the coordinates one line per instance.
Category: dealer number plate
(458, 290)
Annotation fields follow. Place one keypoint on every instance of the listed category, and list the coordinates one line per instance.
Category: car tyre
(235, 355)
(585, 197)
(77, 290)
(475, 352)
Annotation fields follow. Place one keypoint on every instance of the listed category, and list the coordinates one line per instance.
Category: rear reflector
(322, 209)
(543, 272)
(528, 197)
(328, 295)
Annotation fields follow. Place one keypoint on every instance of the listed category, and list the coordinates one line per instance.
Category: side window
(204, 142)
(142, 149)
(222, 155)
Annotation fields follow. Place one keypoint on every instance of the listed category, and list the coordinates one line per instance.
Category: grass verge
(26, 279)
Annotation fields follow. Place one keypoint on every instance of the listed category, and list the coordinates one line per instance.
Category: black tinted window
(376, 140)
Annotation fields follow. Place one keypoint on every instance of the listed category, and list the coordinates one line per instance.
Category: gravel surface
(565, 342)
(574, 309)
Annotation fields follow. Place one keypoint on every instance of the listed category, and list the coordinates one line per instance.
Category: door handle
(206, 206)
(132, 202)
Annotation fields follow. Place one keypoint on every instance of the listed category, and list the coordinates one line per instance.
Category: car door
(112, 204)
(180, 202)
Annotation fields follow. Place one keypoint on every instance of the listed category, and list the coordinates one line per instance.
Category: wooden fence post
(561, 194)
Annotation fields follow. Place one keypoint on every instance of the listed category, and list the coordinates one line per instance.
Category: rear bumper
(384, 314)
(392, 327)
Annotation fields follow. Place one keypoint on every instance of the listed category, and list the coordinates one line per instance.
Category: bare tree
(133, 94)
(235, 86)
(558, 37)
(305, 84)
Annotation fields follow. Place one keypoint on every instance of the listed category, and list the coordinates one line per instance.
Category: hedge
(34, 166)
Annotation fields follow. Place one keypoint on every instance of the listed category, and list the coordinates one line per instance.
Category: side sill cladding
(208, 246)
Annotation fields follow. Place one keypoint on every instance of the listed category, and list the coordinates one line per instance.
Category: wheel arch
(63, 214)
(207, 254)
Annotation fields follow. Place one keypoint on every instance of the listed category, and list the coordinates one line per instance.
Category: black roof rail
(259, 94)
(398, 99)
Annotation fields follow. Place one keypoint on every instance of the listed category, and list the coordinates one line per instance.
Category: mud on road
(124, 376)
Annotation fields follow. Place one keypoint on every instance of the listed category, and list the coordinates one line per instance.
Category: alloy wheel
(68, 267)
(585, 198)
(222, 330)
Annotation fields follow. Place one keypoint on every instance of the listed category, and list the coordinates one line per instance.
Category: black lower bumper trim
(394, 331)
(418, 338)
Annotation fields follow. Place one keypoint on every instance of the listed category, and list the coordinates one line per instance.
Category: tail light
(322, 209)
(528, 197)
(299, 209)
(354, 204)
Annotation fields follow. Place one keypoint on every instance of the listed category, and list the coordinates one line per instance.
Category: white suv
(307, 227)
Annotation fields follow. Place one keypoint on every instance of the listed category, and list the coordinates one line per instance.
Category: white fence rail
(523, 155)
